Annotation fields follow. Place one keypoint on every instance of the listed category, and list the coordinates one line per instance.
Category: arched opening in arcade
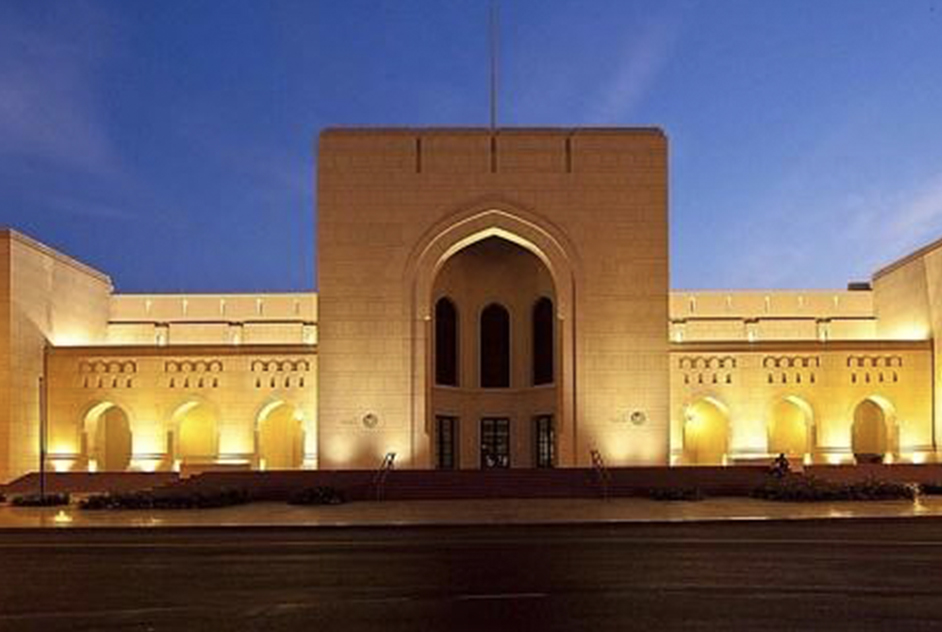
(197, 434)
(870, 434)
(706, 432)
(493, 392)
(280, 437)
(790, 427)
(108, 437)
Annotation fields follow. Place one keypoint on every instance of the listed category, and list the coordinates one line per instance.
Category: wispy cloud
(634, 72)
(48, 107)
(897, 223)
(83, 207)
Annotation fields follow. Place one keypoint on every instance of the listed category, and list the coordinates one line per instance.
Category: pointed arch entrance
(280, 437)
(706, 432)
(108, 437)
(196, 433)
(871, 433)
(533, 235)
(791, 427)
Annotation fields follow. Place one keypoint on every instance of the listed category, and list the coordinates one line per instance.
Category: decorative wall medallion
(637, 417)
(370, 420)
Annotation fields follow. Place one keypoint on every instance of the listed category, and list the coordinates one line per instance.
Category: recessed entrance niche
(494, 347)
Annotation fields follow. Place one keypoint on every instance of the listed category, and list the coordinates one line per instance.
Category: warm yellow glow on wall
(340, 451)
(63, 448)
(73, 337)
(706, 432)
(234, 441)
(838, 459)
(62, 463)
(145, 464)
(147, 439)
(911, 331)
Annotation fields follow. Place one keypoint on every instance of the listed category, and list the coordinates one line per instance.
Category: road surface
(838, 574)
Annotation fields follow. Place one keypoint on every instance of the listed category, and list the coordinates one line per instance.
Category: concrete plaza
(469, 512)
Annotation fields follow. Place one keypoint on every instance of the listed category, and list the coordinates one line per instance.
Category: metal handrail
(382, 473)
(602, 475)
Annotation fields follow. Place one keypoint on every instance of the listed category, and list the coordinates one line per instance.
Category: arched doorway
(493, 283)
(280, 437)
(790, 427)
(706, 432)
(109, 434)
(869, 435)
(197, 438)
(458, 236)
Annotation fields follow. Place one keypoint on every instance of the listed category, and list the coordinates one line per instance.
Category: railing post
(379, 478)
(601, 472)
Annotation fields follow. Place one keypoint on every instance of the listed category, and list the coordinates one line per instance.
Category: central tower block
(492, 297)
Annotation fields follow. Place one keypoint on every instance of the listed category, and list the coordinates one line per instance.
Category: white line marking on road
(528, 595)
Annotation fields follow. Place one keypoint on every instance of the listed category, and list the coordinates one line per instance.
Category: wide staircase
(406, 484)
(388, 483)
(88, 482)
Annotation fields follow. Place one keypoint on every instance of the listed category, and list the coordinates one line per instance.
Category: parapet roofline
(902, 261)
(563, 131)
(14, 235)
(182, 295)
(770, 291)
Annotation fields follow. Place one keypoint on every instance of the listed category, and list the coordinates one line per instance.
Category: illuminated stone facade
(485, 300)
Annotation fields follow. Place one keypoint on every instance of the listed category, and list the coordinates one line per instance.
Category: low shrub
(37, 500)
(930, 489)
(166, 500)
(322, 495)
(3, 499)
(676, 493)
(801, 488)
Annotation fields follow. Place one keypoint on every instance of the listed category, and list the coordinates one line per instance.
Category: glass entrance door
(545, 435)
(446, 439)
(495, 442)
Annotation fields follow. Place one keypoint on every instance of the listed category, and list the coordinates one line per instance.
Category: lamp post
(42, 437)
(43, 405)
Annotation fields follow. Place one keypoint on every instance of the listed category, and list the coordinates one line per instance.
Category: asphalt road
(840, 574)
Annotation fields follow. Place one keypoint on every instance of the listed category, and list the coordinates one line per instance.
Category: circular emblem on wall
(370, 420)
(637, 417)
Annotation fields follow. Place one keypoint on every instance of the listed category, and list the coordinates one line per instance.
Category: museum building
(486, 299)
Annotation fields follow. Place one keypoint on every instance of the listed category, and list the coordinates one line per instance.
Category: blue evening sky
(170, 143)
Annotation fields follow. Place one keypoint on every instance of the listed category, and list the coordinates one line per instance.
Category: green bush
(166, 500)
(676, 493)
(322, 495)
(800, 488)
(931, 489)
(36, 500)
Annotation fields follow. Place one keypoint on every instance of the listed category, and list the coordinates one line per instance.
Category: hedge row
(800, 488)
(322, 495)
(36, 500)
(676, 493)
(166, 500)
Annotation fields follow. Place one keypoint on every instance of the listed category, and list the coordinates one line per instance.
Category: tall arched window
(543, 341)
(495, 347)
(446, 342)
